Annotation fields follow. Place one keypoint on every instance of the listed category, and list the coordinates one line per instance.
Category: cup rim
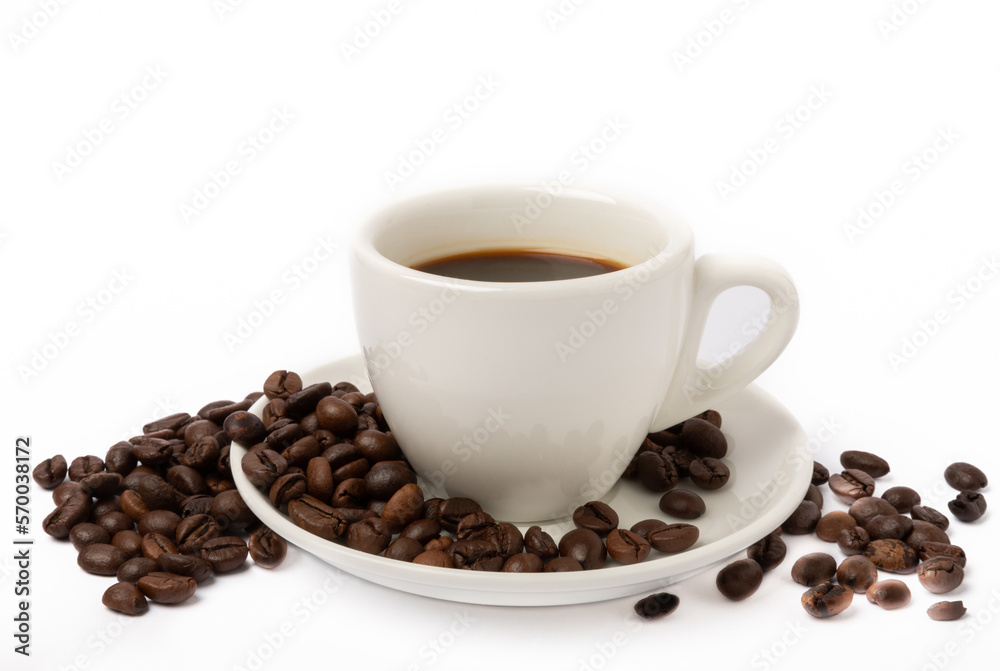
(679, 248)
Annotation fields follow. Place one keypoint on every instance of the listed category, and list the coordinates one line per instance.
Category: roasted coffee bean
(196, 505)
(100, 559)
(422, 530)
(319, 519)
(152, 452)
(203, 454)
(853, 541)
(164, 587)
(120, 459)
(627, 547)
(644, 527)
(940, 574)
(159, 521)
(73, 510)
(286, 488)
(928, 514)
(656, 605)
(963, 476)
(673, 537)
(224, 553)
(194, 531)
(67, 490)
(275, 410)
(125, 597)
(827, 600)
(263, 467)
(683, 504)
(158, 494)
(244, 428)
(85, 465)
(220, 413)
(108, 504)
(708, 473)
(404, 549)
(129, 542)
(814, 494)
(857, 573)
(889, 594)
(703, 439)
(597, 516)
(931, 549)
(100, 485)
(851, 485)
(376, 446)
(476, 555)
(871, 464)
(740, 579)
(114, 521)
(540, 543)
(319, 479)
(830, 525)
(924, 532)
(231, 512)
(889, 526)
(442, 543)
(865, 508)
(350, 493)
(585, 546)
(155, 544)
(814, 568)
(820, 474)
(267, 549)
(523, 562)
(337, 416)
(86, 533)
(682, 461)
(437, 558)
(133, 569)
(310, 425)
(451, 511)
(403, 507)
(386, 477)
(656, 471)
(282, 384)
(562, 565)
(371, 535)
(944, 611)
(198, 429)
(301, 403)
(892, 555)
(301, 451)
(132, 480)
(968, 506)
(769, 552)
(49, 473)
(902, 498)
(341, 454)
(172, 422)
(803, 519)
(280, 439)
(186, 565)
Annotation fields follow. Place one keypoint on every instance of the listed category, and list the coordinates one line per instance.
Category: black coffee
(518, 266)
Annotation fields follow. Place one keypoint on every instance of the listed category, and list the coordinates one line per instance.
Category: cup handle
(693, 390)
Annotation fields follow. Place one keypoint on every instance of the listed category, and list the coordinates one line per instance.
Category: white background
(160, 343)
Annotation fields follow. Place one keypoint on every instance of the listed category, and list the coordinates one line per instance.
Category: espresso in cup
(519, 265)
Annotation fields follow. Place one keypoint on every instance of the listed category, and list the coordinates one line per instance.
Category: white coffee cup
(532, 397)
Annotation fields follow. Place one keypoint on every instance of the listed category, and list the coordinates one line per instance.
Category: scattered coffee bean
(627, 547)
(683, 504)
(244, 428)
(924, 532)
(597, 516)
(857, 573)
(673, 537)
(523, 562)
(224, 553)
(437, 558)
(562, 565)
(186, 565)
(703, 439)
(267, 549)
(814, 494)
(872, 464)
(656, 605)
(740, 579)
(133, 569)
(708, 473)
(820, 474)
(931, 549)
(867, 507)
(656, 471)
(155, 544)
(968, 506)
(87, 533)
(282, 384)
(126, 598)
(477, 555)
(166, 587)
(889, 594)
(851, 485)
(853, 541)
(889, 526)
(371, 535)
(944, 611)
(49, 473)
(769, 552)
(962, 476)
(803, 520)
(892, 555)
(101, 559)
(928, 514)
(827, 600)
(585, 546)
(902, 498)
(830, 525)
(814, 568)
(940, 574)
(540, 543)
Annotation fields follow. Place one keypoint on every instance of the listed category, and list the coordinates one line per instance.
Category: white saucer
(771, 466)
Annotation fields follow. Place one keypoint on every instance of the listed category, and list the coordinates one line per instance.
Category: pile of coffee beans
(890, 533)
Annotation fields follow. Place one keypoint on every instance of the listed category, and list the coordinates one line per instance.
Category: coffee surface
(518, 266)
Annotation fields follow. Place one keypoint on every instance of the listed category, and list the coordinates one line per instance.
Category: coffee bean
(656, 472)
(198, 429)
(961, 476)
(627, 547)
(940, 574)
(203, 454)
(892, 555)
(85, 465)
(769, 552)
(403, 507)
(67, 515)
(376, 446)
(87, 533)
(820, 474)
(656, 605)
(318, 518)
(133, 569)
(827, 600)
(523, 562)
(867, 507)
(853, 541)
(350, 493)
(814, 494)
(386, 477)
(404, 549)
(286, 488)
(901, 498)
(100, 559)
(597, 516)
(125, 597)
(703, 439)
(196, 505)
(450, 511)
(152, 452)
(186, 565)
(49, 473)
(830, 525)
(67, 490)
(857, 573)
(120, 459)
(968, 506)
(371, 536)
(159, 521)
(644, 527)
(889, 526)
(158, 494)
(171, 422)
(220, 413)
(708, 473)
(422, 530)
(166, 587)
(928, 514)
(931, 549)
(224, 553)
(682, 461)
(872, 464)
(133, 505)
(563, 565)
(814, 568)
(585, 546)
(282, 384)
(476, 555)
(301, 451)
(336, 415)
(682, 503)
(114, 521)
(803, 519)
(231, 512)
(673, 537)
(851, 485)
(889, 594)
(263, 467)
(944, 611)
(194, 531)
(740, 579)
(540, 543)
(155, 544)
(924, 532)
(244, 428)
(437, 558)
(129, 542)
(267, 549)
